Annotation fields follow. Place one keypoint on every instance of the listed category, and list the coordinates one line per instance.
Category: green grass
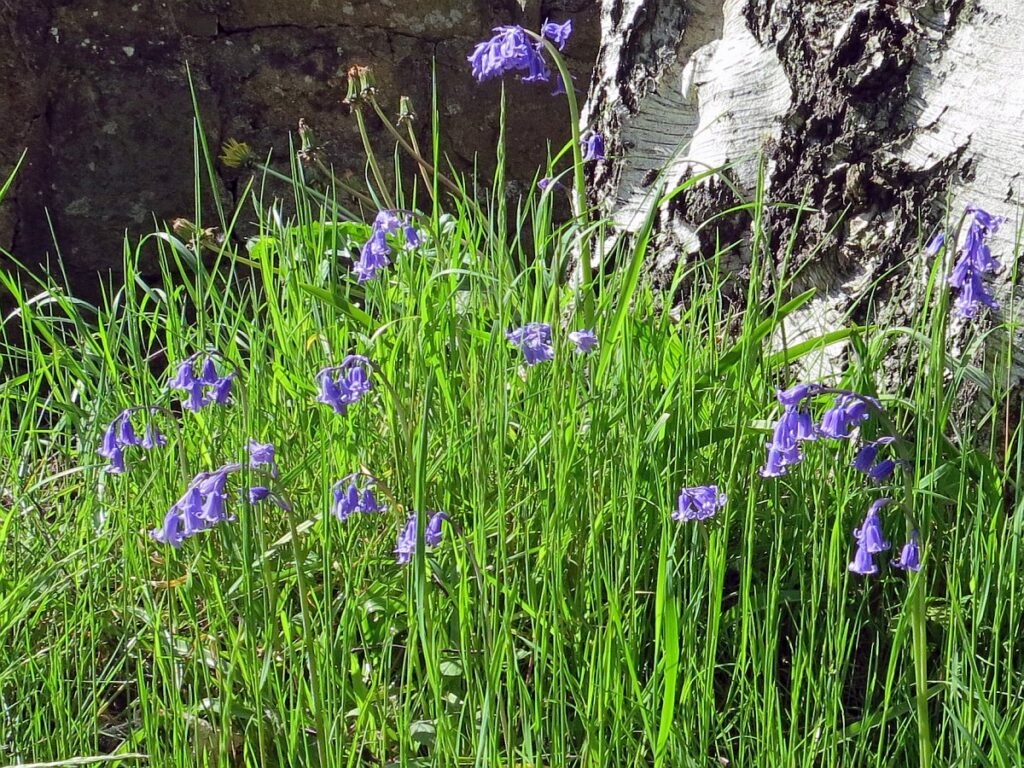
(566, 619)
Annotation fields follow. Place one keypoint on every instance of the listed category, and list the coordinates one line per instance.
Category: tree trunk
(871, 112)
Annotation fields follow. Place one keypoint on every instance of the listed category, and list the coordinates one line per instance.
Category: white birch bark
(877, 110)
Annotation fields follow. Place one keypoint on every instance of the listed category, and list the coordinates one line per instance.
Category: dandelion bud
(406, 114)
(236, 154)
(361, 86)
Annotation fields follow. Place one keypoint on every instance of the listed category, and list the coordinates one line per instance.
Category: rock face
(98, 93)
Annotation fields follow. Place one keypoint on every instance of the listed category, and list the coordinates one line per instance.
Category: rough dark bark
(870, 111)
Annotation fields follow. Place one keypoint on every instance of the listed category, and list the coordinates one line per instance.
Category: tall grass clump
(437, 489)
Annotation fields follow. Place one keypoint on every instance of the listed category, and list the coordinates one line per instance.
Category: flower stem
(425, 166)
(371, 158)
(920, 654)
(580, 200)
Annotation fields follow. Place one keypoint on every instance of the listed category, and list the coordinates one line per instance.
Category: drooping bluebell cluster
(354, 494)
(848, 411)
(120, 434)
(975, 261)
(406, 546)
(511, 49)
(593, 146)
(345, 384)
(201, 507)
(870, 541)
(794, 427)
(866, 460)
(376, 251)
(699, 503)
(534, 341)
(208, 387)
(204, 503)
(584, 340)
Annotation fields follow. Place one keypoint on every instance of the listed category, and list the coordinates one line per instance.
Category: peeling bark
(873, 112)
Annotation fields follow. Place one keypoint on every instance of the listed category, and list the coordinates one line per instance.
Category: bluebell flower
(329, 393)
(509, 50)
(126, 433)
(346, 501)
(870, 535)
(405, 548)
(976, 248)
(345, 384)
(262, 455)
(593, 146)
(258, 493)
(783, 449)
(120, 434)
(152, 437)
(373, 257)
(209, 387)
(186, 380)
(536, 67)
(986, 220)
(870, 541)
(213, 490)
(973, 293)
(935, 245)
(220, 390)
(375, 253)
(354, 494)
(546, 182)
(910, 556)
(534, 341)
(699, 503)
(110, 449)
(412, 236)
(557, 33)
(796, 425)
(171, 530)
(866, 455)
(848, 412)
(863, 562)
(354, 385)
(975, 262)
(883, 470)
(192, 508)
(208, 374)
(387, 221)
(432, 536)
(796, 394)
(202, 506)
(583, 340)
(368, 503)
(117, 465)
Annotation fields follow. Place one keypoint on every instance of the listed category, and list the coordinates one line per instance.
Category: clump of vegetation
(402, 494)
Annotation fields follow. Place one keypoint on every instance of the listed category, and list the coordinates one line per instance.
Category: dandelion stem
(371, 158)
